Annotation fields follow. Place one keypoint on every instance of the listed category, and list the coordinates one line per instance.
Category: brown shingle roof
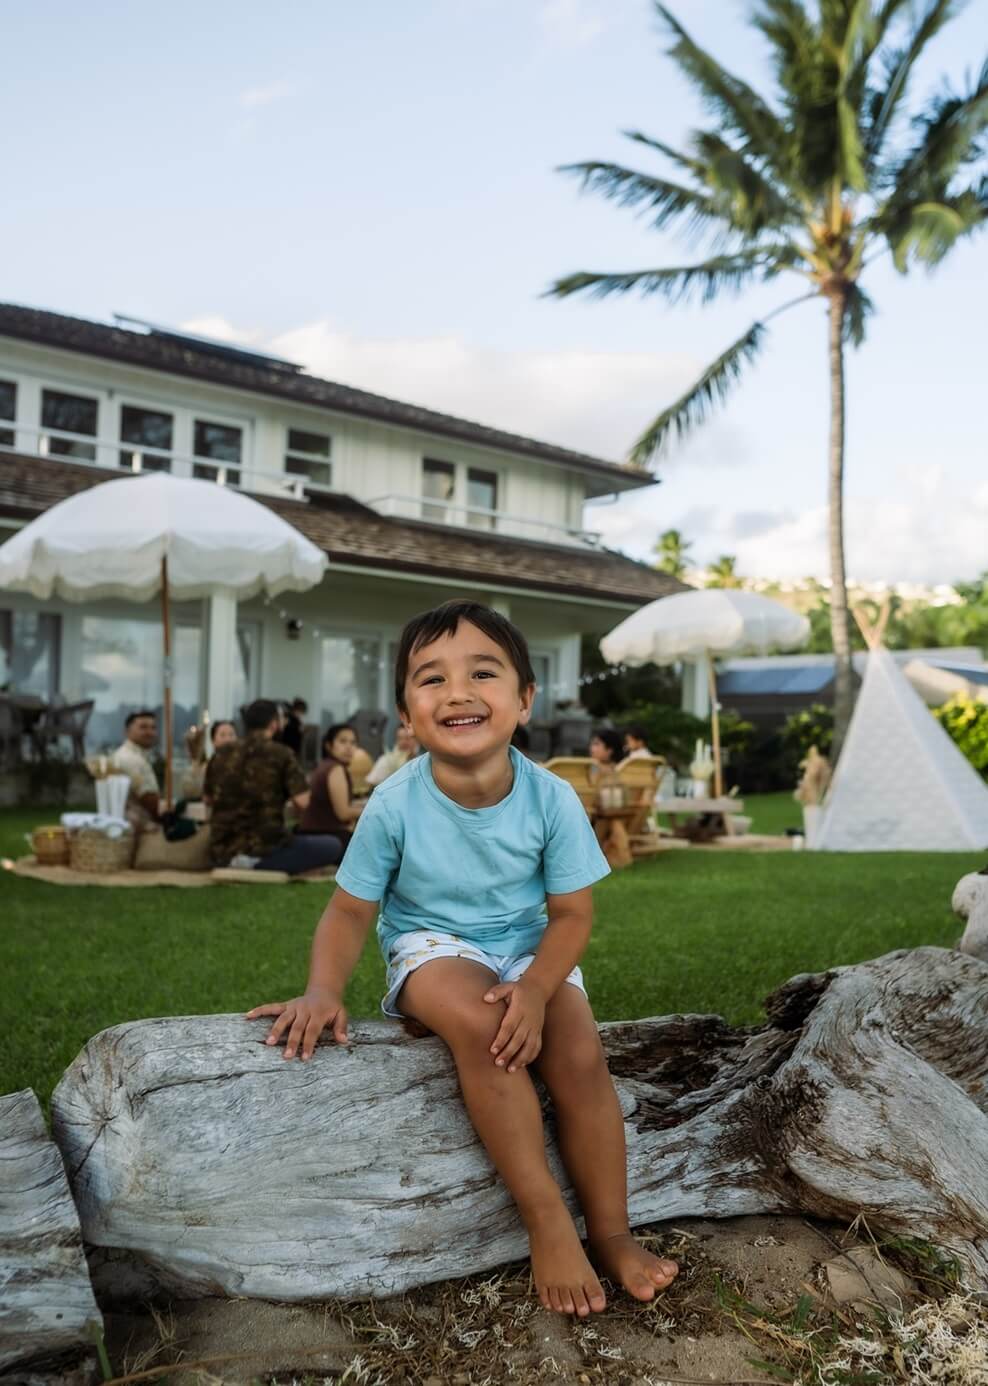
(353, 534)
(185, 357)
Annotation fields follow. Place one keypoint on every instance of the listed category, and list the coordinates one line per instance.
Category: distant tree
(673, 553)
(816, 181)
(724, 572)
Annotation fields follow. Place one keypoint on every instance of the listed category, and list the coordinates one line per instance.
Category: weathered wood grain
(203, 1163)
(47, 1309)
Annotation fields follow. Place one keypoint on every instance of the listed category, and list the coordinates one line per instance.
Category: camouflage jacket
(248, 784)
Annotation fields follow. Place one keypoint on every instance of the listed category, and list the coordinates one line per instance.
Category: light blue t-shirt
(481, 874)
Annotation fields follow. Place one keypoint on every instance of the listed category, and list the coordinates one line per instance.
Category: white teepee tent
(901, 785)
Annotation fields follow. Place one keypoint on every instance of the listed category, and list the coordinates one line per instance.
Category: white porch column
(696, 692)
(568, 669)
(221, 655)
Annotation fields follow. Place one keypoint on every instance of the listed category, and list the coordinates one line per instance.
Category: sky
(372, 190)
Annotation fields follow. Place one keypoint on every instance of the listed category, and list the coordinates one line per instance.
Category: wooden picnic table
(611, 827)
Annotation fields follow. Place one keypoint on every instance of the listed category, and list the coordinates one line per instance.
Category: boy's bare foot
(627, 1263)
(564, 1278)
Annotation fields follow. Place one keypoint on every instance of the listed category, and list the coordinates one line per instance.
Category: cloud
(594, 402)
(889, 536)
(251, 98)
(571, 23)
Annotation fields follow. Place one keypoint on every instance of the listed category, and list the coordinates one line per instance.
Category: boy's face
(462, 697)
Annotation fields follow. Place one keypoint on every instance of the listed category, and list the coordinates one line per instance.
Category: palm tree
(815, 181)
(674, 553)
(724, 572)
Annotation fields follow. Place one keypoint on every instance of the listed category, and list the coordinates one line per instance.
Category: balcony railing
(481, 519)
(116, 456)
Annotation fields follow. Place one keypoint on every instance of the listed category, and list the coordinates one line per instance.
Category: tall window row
(69, 427)
(476, 503)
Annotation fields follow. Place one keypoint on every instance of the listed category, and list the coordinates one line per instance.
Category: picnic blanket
(64, 875)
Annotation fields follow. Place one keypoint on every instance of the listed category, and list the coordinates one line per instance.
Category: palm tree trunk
(839, 625)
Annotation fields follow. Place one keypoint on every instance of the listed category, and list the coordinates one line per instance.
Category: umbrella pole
(166, 623)
(715, 728)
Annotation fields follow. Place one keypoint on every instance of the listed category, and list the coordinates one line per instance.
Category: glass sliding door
(349, 676)
(29, 643)
(122, 672)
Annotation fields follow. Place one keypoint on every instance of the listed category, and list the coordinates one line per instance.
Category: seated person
(635, 743)
(404, 749)
(606, 748)
(133, 758)
(220, 734)
(248, 784)
(332, 808)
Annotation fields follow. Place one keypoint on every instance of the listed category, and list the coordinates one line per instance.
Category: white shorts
(409, 951)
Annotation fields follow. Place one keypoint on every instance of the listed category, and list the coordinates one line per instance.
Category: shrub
(814, 726)
(673, 733)
(966, 723)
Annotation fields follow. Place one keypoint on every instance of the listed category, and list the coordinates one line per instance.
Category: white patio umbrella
(705, 624)
(138, 536)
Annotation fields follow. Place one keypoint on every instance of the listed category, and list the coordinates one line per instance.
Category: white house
(411, 506)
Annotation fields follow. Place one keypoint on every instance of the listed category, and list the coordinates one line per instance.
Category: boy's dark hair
(332, 732)
(260, 714)
(444, 620)
(144, 712)
(612, 739)
(636, 730)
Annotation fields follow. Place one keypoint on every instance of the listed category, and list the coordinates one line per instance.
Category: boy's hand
(519, 1040)
(304, 1019)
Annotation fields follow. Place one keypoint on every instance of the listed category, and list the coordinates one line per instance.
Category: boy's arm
(336, 947)
(519, 1039)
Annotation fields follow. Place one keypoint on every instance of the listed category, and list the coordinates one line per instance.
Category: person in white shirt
(404, 749)
(635, 743)
(133, 758)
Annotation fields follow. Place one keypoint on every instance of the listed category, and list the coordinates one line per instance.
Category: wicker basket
(94, 851)
(50, 845)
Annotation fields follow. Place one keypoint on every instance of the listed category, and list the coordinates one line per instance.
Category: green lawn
(687, 931)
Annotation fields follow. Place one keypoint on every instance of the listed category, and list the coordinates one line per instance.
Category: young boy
(483, 864)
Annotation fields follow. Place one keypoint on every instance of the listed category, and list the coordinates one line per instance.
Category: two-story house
(411, 506)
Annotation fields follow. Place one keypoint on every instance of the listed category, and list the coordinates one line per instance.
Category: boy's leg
(447, 996)
(591, 1142)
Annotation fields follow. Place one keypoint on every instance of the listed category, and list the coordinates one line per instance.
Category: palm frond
(929, 230)
(693, 408)
(750, 199)
(885, 102)
(675, 155)
(949, 136)
(662, 199)
(793, 38)
(857, 310)
(737, 105)
(706, 281)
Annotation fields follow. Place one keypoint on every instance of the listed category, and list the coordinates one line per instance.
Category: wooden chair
(640, 775)
(577, 771)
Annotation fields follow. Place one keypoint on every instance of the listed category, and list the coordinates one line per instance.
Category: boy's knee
(575, 1071)
(471, 1024)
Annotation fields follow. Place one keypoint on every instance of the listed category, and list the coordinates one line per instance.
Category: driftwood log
(202, 1163)
(971, 903)
(47, 1309)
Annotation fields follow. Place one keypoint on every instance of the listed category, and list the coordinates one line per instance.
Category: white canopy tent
(136, 537)
(901, 785)
(704, 625)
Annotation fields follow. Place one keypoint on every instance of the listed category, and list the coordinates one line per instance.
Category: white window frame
(230, 473)
(288, 451)
(457, 509)
(128, 401)
(102, 399)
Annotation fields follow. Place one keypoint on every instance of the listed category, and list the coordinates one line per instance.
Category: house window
(122, 671)
(481, 495)
(223, 445)
(29, 652)
(8, 410)
(145, 429)
(69, 414)
(308, 455)
(350, 676)
(438, 484)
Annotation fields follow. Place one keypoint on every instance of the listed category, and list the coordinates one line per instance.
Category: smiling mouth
(463, 721)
